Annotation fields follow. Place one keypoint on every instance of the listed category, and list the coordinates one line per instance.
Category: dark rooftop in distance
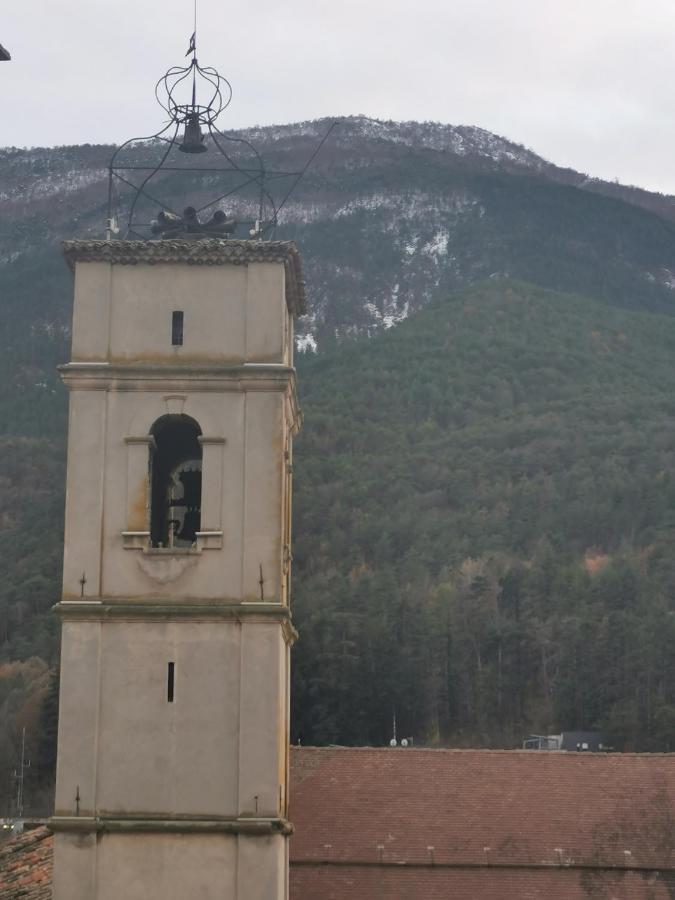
(4, 54)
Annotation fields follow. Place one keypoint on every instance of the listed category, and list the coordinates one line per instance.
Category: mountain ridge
(444, 206)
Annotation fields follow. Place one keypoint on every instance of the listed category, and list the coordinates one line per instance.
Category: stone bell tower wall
(240, 318)
(172, 767)
(245, 424)
(232, 374)
(244, 293)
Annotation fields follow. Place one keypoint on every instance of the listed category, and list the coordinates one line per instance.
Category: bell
(191, 220)
(193, 139)
(166, 222)
(220, 224)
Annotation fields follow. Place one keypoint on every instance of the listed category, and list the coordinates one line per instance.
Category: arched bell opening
(176, 482)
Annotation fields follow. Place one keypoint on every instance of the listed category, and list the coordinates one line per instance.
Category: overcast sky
(585, 83)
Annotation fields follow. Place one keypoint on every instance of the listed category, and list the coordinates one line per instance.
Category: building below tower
(467, 824)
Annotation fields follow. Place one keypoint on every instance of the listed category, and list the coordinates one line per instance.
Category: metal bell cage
(144, 171)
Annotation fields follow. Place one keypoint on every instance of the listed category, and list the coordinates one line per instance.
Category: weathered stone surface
(196, 253)
(173, 721)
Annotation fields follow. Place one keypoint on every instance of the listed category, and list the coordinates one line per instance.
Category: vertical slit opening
(170, 682)
(177, 328)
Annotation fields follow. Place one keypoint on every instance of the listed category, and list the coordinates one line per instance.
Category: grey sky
(584, 83)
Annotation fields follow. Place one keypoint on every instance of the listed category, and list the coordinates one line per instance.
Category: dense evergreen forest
(485, 526)
(484, 515)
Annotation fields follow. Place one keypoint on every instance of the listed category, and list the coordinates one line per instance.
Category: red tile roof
(507, 825)
(461, 824)
(26, 866)
(331, 883)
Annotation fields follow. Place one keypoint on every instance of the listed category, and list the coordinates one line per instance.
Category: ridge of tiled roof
(306, 749)
(26, 866)
(211, 252)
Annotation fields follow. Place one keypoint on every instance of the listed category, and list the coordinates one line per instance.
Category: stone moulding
(217, 378)
(183, 609)
(140, 540)
(135, 377)
(101, 824)
(197, 253)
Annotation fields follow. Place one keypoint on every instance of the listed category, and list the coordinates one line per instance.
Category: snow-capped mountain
(390, 215)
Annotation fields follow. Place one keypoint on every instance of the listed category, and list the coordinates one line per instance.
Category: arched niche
(175, 481)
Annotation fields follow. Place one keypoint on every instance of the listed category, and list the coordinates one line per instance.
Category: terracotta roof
(26, 866)
(502, 824)
(467, 824)
(331, 883)
(212, 252)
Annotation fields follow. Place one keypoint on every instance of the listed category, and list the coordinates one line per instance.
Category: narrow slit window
(177, 328)
(170, 682)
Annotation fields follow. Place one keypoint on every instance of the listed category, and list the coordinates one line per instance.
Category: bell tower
(172, 774)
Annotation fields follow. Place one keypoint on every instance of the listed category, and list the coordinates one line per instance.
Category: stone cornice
(172, 610)
(164, 373)
(213, 252)
(176, 825)
(138, 377)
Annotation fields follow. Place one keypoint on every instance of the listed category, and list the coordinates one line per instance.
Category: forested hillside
(483, 524)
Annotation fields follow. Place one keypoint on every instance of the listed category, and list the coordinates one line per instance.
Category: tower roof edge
(196, 252)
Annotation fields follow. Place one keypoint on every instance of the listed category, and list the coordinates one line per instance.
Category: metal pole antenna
(194, 60)
(20, 775)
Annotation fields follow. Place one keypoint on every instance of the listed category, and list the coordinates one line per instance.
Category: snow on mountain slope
(390, 215)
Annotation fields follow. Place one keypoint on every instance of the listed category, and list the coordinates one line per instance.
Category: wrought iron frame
(254, 174)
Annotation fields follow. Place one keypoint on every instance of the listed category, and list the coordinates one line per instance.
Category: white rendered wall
(174, 867)
(233, 314)
(216, 756)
